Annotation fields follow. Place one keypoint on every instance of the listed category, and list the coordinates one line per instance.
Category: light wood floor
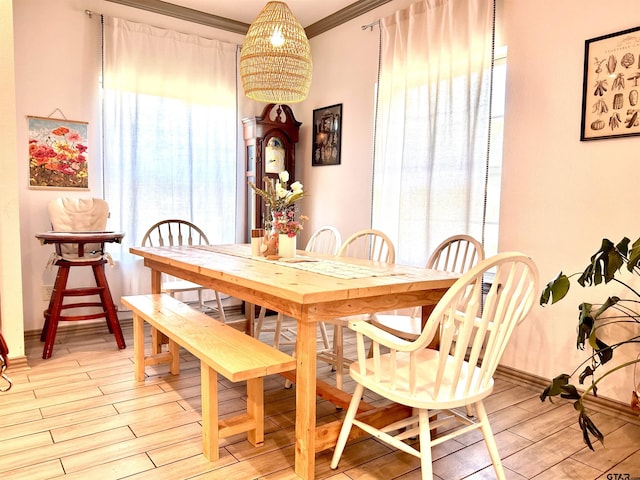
(81, 415)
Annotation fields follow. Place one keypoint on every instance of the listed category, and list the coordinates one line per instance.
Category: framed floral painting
(57, 154)
(611, 89)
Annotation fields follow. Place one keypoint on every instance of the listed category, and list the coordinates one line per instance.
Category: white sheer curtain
(432, 127)
(169, 137)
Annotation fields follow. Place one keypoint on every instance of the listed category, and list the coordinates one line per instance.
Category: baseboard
(79, 327)
(18, 364)
(607, 406)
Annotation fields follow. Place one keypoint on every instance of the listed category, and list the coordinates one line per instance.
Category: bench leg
(156, 347)
(172, 356)
(138, 347)
(209, 394)
(255, 409)
(157, 340)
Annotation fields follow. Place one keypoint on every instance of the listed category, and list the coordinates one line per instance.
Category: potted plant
(621, 315)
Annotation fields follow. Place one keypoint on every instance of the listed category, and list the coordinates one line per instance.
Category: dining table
(310, 288)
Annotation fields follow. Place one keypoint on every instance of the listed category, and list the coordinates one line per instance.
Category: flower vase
(286, 246)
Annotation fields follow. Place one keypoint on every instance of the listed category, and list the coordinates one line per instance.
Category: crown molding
(349, 12)
(188, 14)
(342, 16)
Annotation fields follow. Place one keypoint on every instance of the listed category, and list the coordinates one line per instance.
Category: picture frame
(58, 154)
(327, 135)
(611, 86)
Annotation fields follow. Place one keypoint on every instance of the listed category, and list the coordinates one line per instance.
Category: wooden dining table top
(296, 281)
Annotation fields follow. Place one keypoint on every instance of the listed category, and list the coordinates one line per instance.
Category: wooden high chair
(79, 236)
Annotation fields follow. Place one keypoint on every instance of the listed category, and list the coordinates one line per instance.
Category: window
(433, 125)
(169, 113)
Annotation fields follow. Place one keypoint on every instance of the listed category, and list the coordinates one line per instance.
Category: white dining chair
(472, 338)
(456, 254)
(173, 232)
(325, 240)
(369, 244)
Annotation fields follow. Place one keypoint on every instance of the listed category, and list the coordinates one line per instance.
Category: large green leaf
(585, 324)
(587, 372)
(556, 387)
(570, 392)
(604, 263)
(623, 246)
(603, 351)
(609, 302)
(555, 290)
(588, 427)
(590, 275)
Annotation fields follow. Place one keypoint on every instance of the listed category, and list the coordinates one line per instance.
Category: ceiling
(307, 12)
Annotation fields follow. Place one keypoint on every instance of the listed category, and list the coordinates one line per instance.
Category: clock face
(274, 156)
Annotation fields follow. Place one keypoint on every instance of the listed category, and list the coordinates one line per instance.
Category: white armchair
(472, 339)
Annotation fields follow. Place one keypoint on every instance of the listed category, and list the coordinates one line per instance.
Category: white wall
(56, 68)
(560, 195)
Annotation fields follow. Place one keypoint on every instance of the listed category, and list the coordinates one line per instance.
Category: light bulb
(277, 38)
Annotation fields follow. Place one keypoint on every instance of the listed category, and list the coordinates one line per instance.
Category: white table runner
(322, 266)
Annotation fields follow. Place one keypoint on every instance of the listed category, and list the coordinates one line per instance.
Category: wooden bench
(221, 349)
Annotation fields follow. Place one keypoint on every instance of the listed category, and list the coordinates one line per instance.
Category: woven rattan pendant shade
(275, 60)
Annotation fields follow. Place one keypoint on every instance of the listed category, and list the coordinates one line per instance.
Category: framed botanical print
(611, 86)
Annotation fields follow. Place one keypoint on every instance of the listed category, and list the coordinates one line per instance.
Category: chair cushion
(78, 215)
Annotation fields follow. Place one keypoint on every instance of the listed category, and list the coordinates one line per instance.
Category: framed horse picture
(327, 135)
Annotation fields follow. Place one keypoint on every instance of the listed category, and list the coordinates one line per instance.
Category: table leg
(250, 316)
(174, 349)
(426, 312)
(156, 287)
(305, 399)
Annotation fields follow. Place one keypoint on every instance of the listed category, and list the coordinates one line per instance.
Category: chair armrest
(382, 337)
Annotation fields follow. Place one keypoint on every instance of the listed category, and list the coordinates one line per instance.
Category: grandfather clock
(270, 142)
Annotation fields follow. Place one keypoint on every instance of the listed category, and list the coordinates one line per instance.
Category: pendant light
(275, 60)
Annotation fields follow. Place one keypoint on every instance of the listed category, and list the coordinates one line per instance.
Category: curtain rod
(371, 25)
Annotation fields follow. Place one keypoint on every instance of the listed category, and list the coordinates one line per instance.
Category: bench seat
(221, 349)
